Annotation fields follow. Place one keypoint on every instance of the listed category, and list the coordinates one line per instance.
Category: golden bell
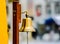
(27, 25)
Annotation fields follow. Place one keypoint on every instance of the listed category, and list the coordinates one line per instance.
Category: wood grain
(16, 21)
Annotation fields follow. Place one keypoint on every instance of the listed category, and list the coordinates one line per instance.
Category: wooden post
(16, 21)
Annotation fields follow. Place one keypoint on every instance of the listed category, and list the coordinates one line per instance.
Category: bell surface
(23, 25)
(28, 26)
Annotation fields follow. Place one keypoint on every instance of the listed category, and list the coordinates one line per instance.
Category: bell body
(27, 25)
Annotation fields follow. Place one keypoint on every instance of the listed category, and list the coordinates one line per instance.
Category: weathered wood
(16, 21)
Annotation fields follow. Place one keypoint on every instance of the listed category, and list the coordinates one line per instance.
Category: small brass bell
(27, 25)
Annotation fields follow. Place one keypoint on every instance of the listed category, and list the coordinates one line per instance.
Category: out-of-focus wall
(41, 18)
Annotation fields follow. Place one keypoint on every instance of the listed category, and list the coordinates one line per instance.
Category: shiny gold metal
(27, 24)
(23, 25)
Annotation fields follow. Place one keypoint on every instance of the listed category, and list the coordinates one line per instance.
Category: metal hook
(25, 13)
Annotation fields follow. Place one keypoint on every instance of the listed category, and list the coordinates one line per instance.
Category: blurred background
(45, 16)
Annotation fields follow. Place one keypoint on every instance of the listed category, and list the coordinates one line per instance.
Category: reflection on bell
(27, 25)
(23, 25)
